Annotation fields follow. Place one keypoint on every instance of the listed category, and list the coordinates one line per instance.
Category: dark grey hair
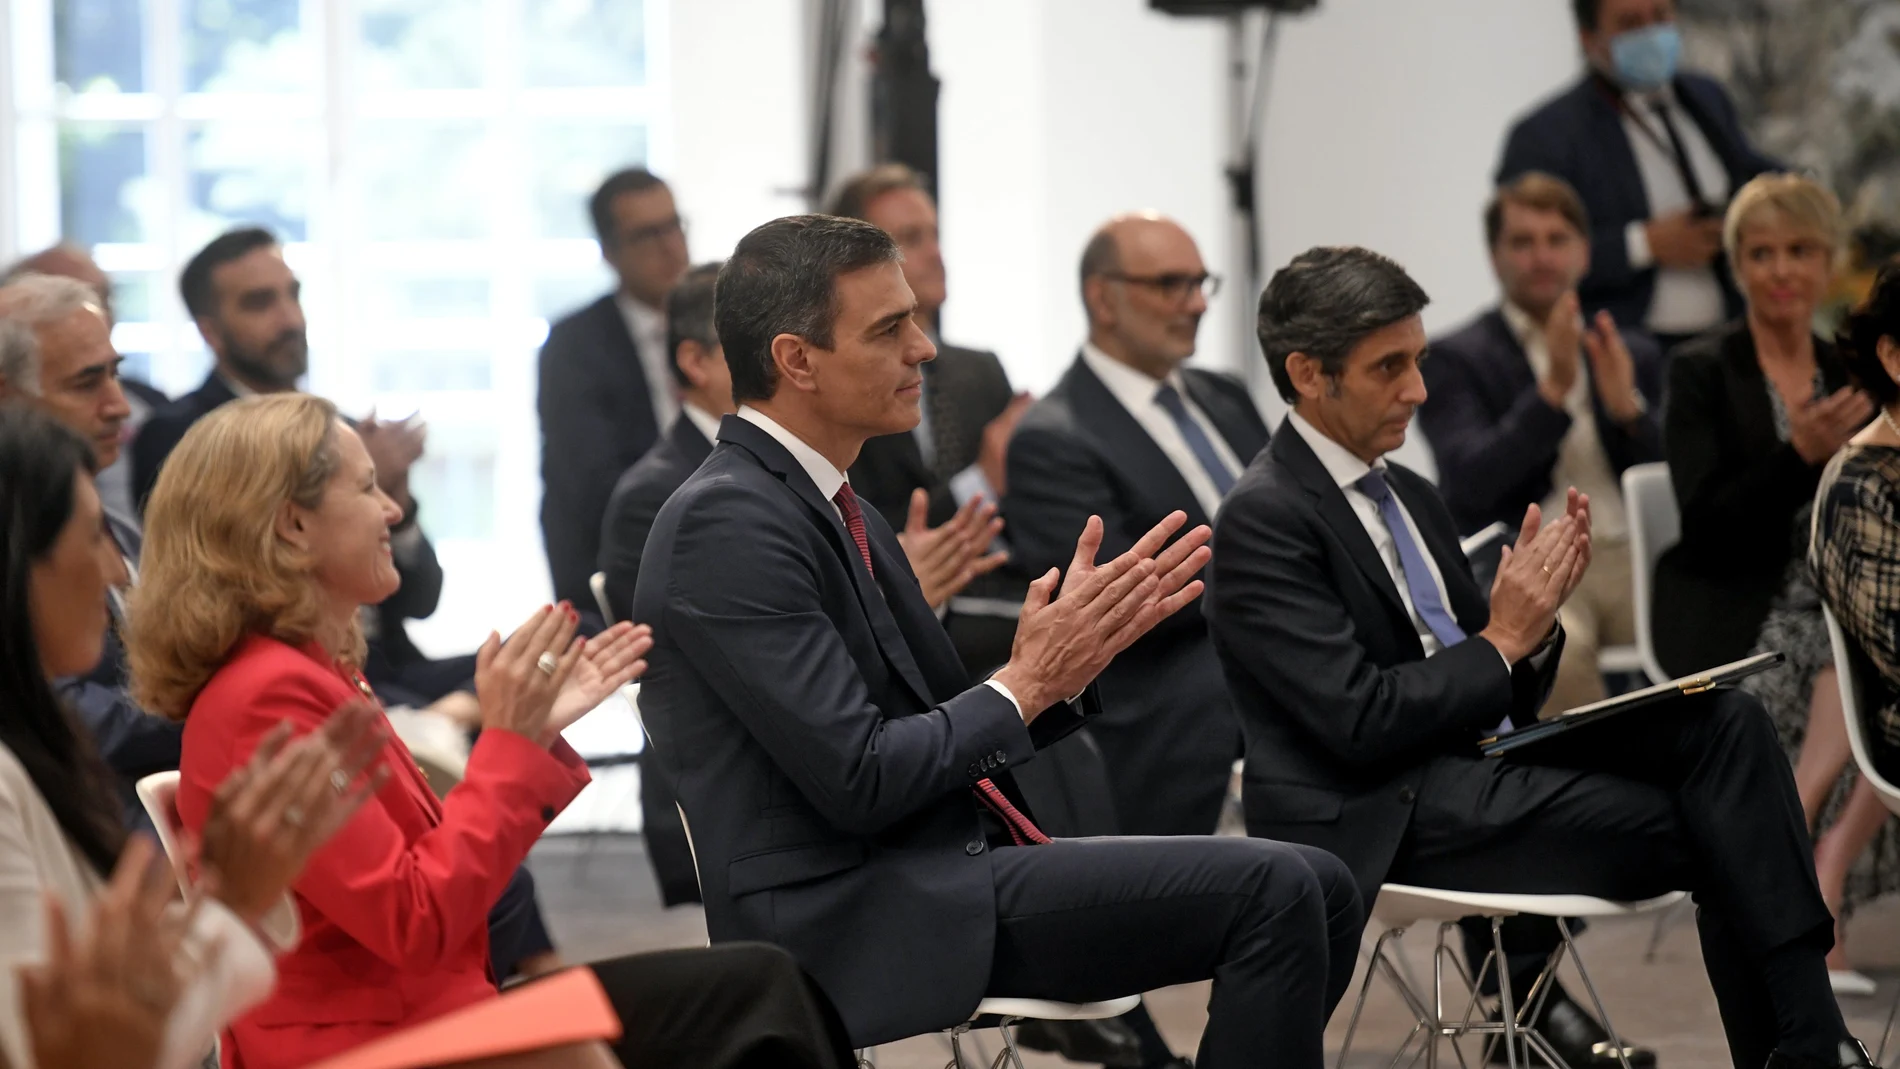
(1100, 256)
(27, 303)
(1326, 302)
(782, 279)
(689, 315)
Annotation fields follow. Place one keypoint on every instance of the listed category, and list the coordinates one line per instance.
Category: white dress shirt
(1136, 392)
(703, 421)
(1581, 461)
(648, 327)
(826, 476)
(1688, 299)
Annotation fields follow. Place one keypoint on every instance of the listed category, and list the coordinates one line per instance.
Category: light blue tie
(1418, 575)
(1169, 398)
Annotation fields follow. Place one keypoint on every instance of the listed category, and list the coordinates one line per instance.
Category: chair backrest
(1851, 671)
(598, 584)
(1655, 525)
(158, 793)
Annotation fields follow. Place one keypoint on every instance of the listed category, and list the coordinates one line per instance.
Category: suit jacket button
(1407, 795)
(973, 847)
(547, 812)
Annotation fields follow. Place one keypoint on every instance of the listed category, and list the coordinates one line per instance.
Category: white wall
(1383, 127)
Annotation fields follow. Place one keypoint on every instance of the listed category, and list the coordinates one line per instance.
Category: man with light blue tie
(1130, 434)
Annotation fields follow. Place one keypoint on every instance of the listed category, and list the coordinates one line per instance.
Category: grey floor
(600, 899)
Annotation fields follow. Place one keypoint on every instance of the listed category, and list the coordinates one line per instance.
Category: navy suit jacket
(636, 500)
(1494, 436)
(824, 740)
(161, 432)
(1166, 720)
(596, 416)
(1578, 136)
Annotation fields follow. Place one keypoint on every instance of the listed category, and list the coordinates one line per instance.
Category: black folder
(1570, 720)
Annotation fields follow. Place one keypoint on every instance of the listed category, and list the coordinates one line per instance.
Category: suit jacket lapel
(1297, 457)
(1129, 448)
(1610, 138)
(780, 463)
(1242, 436)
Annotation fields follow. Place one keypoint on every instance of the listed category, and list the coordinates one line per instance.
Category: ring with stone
(293, 816)
(547, 663)
(340, 781)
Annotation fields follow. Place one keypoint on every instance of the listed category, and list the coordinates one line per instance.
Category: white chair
(1007, 1010)
(1400, 907)
(158, 793)
(1851, 672)
(1655, 526)
(598, 584)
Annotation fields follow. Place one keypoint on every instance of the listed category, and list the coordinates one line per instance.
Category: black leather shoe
(1578, 1039)
(1107, 1042)
(1853, 1055)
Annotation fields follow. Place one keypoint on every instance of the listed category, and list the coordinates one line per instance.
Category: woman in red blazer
(265, 534)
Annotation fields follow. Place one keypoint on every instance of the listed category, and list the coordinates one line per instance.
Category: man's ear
(1309, 380)
(792, 355)
(687, 358)
(290, 526)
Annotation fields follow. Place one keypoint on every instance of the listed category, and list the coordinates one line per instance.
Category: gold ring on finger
(547, 663)
(1546, 569)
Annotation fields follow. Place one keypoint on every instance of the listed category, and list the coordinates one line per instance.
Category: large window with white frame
(427, 164)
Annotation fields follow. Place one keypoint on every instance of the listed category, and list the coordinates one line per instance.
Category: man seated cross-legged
(846, 784)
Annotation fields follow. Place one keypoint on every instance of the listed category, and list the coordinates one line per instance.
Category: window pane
(586, 42)
(556, 296)
(566, 163)
(99, 45)
(407, 170)
(250, 173)
(104, 194)
(420, 44)
(136, 296)
(247, 46)
(390, 297)
(423, 372)
(454, 486)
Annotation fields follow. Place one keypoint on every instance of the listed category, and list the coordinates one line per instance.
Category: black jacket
(161, 432)
(1578, 136)
(1340, 706)
(596, 416)
(1495, 438)
(824, 740)
(1167, 728)
(636, 500)
(1740, 489)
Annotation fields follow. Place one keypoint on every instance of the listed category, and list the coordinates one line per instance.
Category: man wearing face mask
(1655, 152)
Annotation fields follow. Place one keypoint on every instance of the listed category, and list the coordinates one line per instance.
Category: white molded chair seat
(158, 793)
(598, 584)
(1402, 906)
(1621, 659)
(1655, 525)
(1036, 1009)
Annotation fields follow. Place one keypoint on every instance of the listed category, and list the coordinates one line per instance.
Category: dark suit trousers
(1275, 925)
(731, 1006)
(1692, 795)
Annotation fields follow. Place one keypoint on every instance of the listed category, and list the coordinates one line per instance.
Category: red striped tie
(1021, 828)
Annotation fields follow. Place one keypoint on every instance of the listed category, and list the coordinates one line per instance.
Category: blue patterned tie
(1418, 575)
(1169, 398)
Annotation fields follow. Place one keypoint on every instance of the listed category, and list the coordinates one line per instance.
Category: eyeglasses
(646, 235)
(1174, 287)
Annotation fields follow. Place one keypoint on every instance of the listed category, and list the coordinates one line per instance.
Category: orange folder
(569, 1007)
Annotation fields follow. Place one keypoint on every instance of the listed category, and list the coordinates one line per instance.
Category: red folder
(569, 1007)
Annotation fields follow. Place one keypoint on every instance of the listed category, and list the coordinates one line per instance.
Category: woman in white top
(60, 830)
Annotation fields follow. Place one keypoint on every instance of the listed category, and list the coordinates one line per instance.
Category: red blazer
(395, 907)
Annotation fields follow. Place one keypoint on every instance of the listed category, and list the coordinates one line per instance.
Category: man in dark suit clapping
(848, 787)
(1365, 664)
(606, 381)
(1130, 435)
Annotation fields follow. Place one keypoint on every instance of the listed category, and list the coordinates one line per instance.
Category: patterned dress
(1796, 627)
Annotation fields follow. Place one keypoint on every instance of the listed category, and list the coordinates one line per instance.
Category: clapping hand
(1819, 429)
(1612, 368)
(102, 997)
(947, 557)
(609, 661)
(1536, 576)
(272, 813)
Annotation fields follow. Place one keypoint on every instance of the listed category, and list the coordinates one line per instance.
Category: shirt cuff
(1005, 692)
(970, 483)
(1636, 245)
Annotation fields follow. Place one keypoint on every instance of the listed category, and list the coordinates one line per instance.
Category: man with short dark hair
(1655, 152)
(1366, 663)
(849, 789)
(957, 453)
(606, 379)
(1529, 399)
(1130, 434)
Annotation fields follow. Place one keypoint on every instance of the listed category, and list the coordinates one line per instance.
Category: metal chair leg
(1887, 1032)
(1009, 1055)
(1365, 988)
(1622, 1055)
(1506, 1013)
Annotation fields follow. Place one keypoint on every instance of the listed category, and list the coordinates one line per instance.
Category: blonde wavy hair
(213, 568)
